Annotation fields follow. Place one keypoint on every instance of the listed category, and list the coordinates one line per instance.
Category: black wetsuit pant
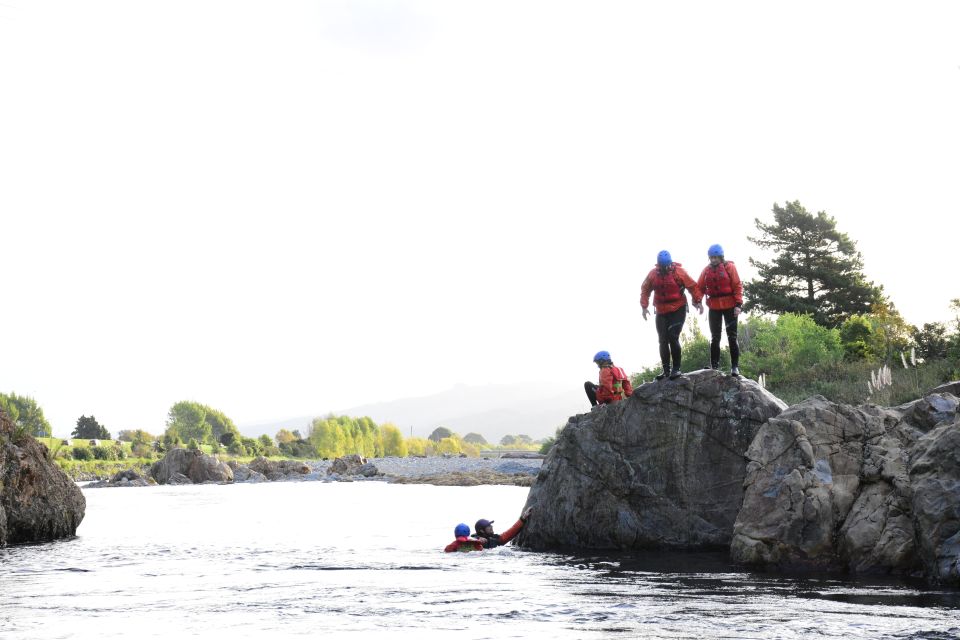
(730, 320)
(591, 390)
(669, 326)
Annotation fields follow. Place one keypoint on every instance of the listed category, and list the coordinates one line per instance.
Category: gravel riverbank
(452, 471)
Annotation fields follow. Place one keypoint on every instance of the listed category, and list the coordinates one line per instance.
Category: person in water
(724, 290)
(484, 531)
(485, 538)
(614, 384)
(463, 541)
(667, 281)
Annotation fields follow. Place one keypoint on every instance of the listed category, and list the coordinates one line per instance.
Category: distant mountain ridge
(535, 409)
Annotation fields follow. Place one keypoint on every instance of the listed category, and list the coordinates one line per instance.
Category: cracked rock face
(866, 489)
(38, 502)
(662, 469)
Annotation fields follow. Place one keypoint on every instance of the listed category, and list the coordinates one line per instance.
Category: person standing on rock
(721, 283)
(484, 531)
(614, 384)
(668, 281)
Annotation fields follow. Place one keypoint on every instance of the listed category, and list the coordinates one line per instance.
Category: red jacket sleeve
(735, 283)
(645, 289)
(627, 388)
(508, 535)
(702, 280)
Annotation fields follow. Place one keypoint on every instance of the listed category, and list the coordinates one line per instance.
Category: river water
(365, 559)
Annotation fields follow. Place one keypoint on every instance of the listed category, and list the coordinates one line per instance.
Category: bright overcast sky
(278, 208)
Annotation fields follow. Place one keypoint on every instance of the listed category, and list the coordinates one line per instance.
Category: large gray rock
(192, 464)
(38, 502)
(662, 469)
(953, 388)
(347, 465)
(935, 479)
(838, 487)
(368, 470)
(279, 469)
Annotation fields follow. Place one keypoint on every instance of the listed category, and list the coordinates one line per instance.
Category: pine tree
(89, 428)
(815, 270)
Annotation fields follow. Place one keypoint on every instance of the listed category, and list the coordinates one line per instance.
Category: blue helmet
(461, 531)
(715, 250)
(601, 355)
(664, 257)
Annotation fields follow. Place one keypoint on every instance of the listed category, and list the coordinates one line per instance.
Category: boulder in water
(661, 469)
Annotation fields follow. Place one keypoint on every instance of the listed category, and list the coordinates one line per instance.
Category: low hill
(535, 409)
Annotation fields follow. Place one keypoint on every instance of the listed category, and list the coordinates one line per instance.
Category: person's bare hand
(526, 513)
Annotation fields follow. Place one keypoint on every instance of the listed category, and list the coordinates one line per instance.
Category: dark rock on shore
(347, 465)
(125, 478)
(38, 502)
(662, 469)
(278, 469)
(191, 464)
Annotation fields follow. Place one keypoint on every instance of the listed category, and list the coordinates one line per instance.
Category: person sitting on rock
(667, 281)
(614, 383)
(724, 290)
(463, 540)
(484, 531)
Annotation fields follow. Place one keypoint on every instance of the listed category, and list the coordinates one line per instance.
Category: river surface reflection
(365, 559)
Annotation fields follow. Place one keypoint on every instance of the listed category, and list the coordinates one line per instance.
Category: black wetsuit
(669, 326)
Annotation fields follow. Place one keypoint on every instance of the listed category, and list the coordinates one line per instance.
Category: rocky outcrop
(953, 388)
(193, 465)
(243, 473)
(347, 465)
(662, 469)
(38, 502)
(711, 461)
(865, 489)
(279, 469)
(125, 478)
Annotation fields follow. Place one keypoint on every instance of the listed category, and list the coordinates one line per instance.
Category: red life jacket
(666, 286)
(718, 281)
(618, 377)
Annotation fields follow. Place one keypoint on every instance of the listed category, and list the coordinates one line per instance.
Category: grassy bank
(846, 382)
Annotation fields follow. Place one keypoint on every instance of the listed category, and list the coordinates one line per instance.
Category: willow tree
(26, 414)
(815, 269)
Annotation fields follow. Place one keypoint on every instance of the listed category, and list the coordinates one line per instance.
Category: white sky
(278, 208)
